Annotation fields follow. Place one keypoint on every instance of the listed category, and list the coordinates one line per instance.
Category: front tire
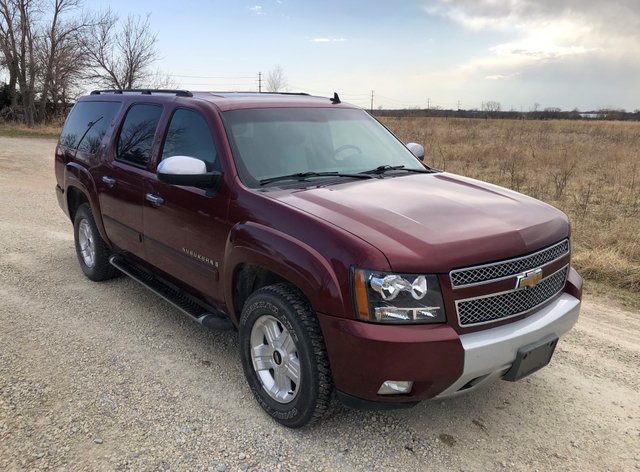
(284, 356)
(93, 253)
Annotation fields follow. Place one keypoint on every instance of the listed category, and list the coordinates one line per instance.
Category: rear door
(185, 227)
(121, 178)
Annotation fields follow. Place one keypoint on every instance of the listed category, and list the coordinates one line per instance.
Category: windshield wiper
(386, 168)
(301, 176)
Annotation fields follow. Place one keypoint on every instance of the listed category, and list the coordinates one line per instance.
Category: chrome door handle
(110, 181)
(155, 199)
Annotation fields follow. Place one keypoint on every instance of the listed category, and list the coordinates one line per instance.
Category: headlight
(397, 298)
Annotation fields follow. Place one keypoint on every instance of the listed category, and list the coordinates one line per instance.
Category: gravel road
(107, 376)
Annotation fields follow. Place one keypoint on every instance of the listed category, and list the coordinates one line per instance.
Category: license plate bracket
(532, 358)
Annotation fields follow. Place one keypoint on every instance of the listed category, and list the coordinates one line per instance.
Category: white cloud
(257, 10)
(539, 33)
(539, 50)
(502, 77)
(328, 40)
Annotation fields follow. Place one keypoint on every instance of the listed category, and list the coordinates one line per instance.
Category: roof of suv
(226, 101)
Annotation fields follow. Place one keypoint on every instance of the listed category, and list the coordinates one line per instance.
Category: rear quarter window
(87, 124)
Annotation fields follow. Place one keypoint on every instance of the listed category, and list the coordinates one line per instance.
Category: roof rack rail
(284, 93)
(179, 93)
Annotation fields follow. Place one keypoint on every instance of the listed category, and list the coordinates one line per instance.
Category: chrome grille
(474, 311)
(500, 270)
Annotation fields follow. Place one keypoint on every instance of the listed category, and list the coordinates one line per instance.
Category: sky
(568, 54)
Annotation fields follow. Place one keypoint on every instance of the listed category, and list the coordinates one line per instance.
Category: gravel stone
(81, 361)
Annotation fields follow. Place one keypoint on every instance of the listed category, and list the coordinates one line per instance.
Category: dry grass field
(588, 169)
(19, 130)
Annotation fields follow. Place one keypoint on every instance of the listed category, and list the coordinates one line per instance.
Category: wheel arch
(257, 256)
(80, 189)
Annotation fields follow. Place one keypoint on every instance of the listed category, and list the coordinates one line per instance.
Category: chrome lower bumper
(490, 353)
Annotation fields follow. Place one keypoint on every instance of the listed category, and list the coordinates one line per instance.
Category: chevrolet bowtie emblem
(529, 279)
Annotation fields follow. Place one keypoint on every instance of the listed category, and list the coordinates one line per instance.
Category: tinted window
(189, 135)
(136, 136)
(87, 124)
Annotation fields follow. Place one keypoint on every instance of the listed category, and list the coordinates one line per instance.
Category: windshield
(274, 142)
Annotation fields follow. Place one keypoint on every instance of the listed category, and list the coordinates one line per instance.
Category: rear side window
(189, 135)
(136, 137)
(87, 124)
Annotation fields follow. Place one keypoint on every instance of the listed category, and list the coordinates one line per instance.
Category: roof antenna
(335, 98)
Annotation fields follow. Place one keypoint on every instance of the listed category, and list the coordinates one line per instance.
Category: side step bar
(178, 299)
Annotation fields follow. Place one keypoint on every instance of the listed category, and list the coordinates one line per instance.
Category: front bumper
(438, 360)
(489, 354)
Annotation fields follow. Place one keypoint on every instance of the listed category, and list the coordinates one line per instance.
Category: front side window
(87, 124)
(136, 137)
(273, 142)
(189, 135)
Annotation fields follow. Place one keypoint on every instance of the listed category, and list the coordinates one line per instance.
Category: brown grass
(590, 170)
(47, 131)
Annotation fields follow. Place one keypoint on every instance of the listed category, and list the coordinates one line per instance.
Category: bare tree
(492, 107)
(51, 47)
(60, 52)
(276, 80)
(121, 54)
(17, 40)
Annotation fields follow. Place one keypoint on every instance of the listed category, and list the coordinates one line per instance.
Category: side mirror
(187, 171)
(417, 150)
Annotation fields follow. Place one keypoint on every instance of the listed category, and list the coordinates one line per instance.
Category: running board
(173, 296)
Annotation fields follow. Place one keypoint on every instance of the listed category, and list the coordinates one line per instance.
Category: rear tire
(284, 356)
(93, 253)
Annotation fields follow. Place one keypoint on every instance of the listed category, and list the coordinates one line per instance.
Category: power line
(211, 77)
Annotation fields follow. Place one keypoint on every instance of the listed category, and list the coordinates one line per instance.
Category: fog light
(396, 387)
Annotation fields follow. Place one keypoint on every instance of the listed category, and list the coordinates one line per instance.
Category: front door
(185, 228)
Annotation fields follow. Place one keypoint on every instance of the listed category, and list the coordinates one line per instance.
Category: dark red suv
(344, 262)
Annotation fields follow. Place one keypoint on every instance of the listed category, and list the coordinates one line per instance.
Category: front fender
(294, 260)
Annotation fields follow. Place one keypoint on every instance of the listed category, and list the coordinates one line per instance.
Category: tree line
(52, 50)
(550, 113)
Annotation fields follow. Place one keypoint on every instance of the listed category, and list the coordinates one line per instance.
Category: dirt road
(110, 377)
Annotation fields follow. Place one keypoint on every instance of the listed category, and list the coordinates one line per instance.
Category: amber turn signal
(362, 303)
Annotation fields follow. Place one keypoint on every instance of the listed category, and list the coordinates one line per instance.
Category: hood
(434, 222)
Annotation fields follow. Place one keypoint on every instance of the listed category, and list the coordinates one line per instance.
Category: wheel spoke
(286, 341)
(271, 331)
(282, 383)
(293, 369)
(263, 357)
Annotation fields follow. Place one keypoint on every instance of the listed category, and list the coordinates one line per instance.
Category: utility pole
(428, 103)
(259, 82)
(458, 105)
(372, 102)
